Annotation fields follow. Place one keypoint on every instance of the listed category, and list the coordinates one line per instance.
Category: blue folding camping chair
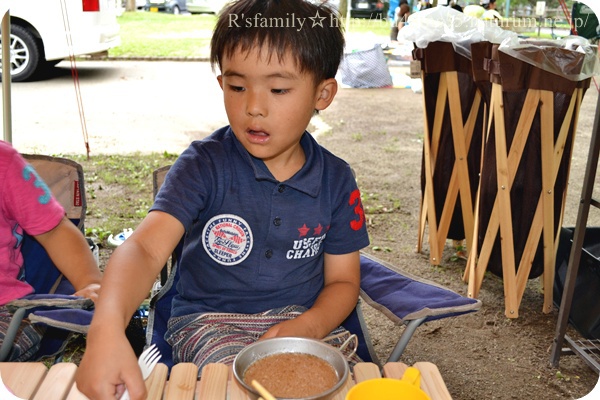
(403, 298)
(52, 304)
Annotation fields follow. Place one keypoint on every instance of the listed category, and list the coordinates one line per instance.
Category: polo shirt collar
(307, 180)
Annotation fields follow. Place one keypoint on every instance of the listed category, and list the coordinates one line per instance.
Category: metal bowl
(279, 345)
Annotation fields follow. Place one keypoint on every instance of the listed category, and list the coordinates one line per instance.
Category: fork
(147, 361)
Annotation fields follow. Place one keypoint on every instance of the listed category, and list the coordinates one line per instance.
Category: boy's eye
(279, 91)
(236, 88)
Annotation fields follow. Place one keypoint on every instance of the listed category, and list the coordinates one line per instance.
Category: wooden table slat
(394, 370)
(341, 394)
(155, 384)
(182, 383)
(235, 390)
(364, 371)
(75, 394)
(21, 378)
(57, 383)
(34, 381)
(213, 384)
(432, 382)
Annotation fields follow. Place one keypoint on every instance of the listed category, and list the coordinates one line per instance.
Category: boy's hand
(293, 327)
(109, 366)
(335, 302)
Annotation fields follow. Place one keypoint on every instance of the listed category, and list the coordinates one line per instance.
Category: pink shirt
(26, 204)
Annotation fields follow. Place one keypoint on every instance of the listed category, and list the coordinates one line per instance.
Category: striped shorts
(218, 337)
(27, 341)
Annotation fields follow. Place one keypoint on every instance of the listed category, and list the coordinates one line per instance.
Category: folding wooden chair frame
(440, 58)
(507, 162)
(462, 134)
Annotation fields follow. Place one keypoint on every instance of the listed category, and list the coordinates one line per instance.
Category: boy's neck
(283, 169)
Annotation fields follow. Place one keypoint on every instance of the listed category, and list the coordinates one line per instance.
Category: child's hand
(293, 327)
(90, 291)
(108, 365)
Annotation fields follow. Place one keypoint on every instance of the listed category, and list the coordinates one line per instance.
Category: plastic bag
(445, 24)
(365, 69)
(573, 57)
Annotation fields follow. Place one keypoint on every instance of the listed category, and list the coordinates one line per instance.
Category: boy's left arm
(335, 302)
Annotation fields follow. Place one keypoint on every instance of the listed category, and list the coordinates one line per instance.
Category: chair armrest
(403, 297)
(34, 302)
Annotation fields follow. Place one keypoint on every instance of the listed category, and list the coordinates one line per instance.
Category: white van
(44, 32)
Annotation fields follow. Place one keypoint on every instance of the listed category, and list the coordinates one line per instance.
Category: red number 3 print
(358, 210)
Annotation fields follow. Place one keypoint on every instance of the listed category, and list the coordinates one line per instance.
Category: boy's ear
(326, 93)
(220, 79)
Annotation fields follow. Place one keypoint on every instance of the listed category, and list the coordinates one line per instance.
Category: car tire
(29, 54)
(176, 10)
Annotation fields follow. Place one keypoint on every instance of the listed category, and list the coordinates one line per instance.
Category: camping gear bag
(585, 308)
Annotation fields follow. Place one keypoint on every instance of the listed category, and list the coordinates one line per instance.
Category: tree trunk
(130, 6)
(343, 7)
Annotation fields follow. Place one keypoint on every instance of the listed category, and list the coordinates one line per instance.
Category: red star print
(318, 229)
(303, 230)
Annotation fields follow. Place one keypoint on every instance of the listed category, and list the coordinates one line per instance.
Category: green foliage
(119, 190)
(532, 3)
(373, 204)
(97, 233)
(357, 137)
(147, 34)
(385, 249)
(379, 27)
(160, 35)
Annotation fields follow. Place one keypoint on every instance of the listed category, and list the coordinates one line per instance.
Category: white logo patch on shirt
(227, 238)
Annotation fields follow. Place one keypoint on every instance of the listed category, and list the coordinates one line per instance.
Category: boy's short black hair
(313, 34)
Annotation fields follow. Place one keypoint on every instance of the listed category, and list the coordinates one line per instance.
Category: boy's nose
(255, 105)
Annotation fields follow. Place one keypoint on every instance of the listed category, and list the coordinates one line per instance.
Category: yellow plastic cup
(409, 387)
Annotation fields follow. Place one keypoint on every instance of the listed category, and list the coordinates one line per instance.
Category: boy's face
(270, 103)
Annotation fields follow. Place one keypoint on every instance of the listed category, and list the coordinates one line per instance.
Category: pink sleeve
(29, 200)
(25, 205)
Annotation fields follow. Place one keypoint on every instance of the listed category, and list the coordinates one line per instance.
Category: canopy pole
(6, 78)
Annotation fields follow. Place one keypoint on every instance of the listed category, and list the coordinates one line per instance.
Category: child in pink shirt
(27, 205)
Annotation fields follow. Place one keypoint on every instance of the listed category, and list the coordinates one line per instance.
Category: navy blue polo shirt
(253, 243)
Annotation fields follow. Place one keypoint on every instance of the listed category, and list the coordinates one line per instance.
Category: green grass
(378, 27)
(148, 34)
(118, 190)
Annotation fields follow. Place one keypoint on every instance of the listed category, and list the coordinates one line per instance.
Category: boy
(26, 204)
(273, 223)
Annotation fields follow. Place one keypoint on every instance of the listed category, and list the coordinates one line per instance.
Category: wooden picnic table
(34, 381)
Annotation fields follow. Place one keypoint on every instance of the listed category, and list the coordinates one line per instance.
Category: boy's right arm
(109, 361)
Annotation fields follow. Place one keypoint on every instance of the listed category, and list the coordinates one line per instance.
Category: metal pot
(279, 345)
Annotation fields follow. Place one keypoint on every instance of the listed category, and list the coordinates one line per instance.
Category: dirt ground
(483, 355)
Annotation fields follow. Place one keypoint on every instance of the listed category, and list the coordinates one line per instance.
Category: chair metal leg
(11, 333)
(366, 334)
(410, 329)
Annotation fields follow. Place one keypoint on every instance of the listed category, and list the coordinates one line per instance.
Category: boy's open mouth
(257, 135)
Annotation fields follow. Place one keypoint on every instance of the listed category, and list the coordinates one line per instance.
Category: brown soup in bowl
(292, 375)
